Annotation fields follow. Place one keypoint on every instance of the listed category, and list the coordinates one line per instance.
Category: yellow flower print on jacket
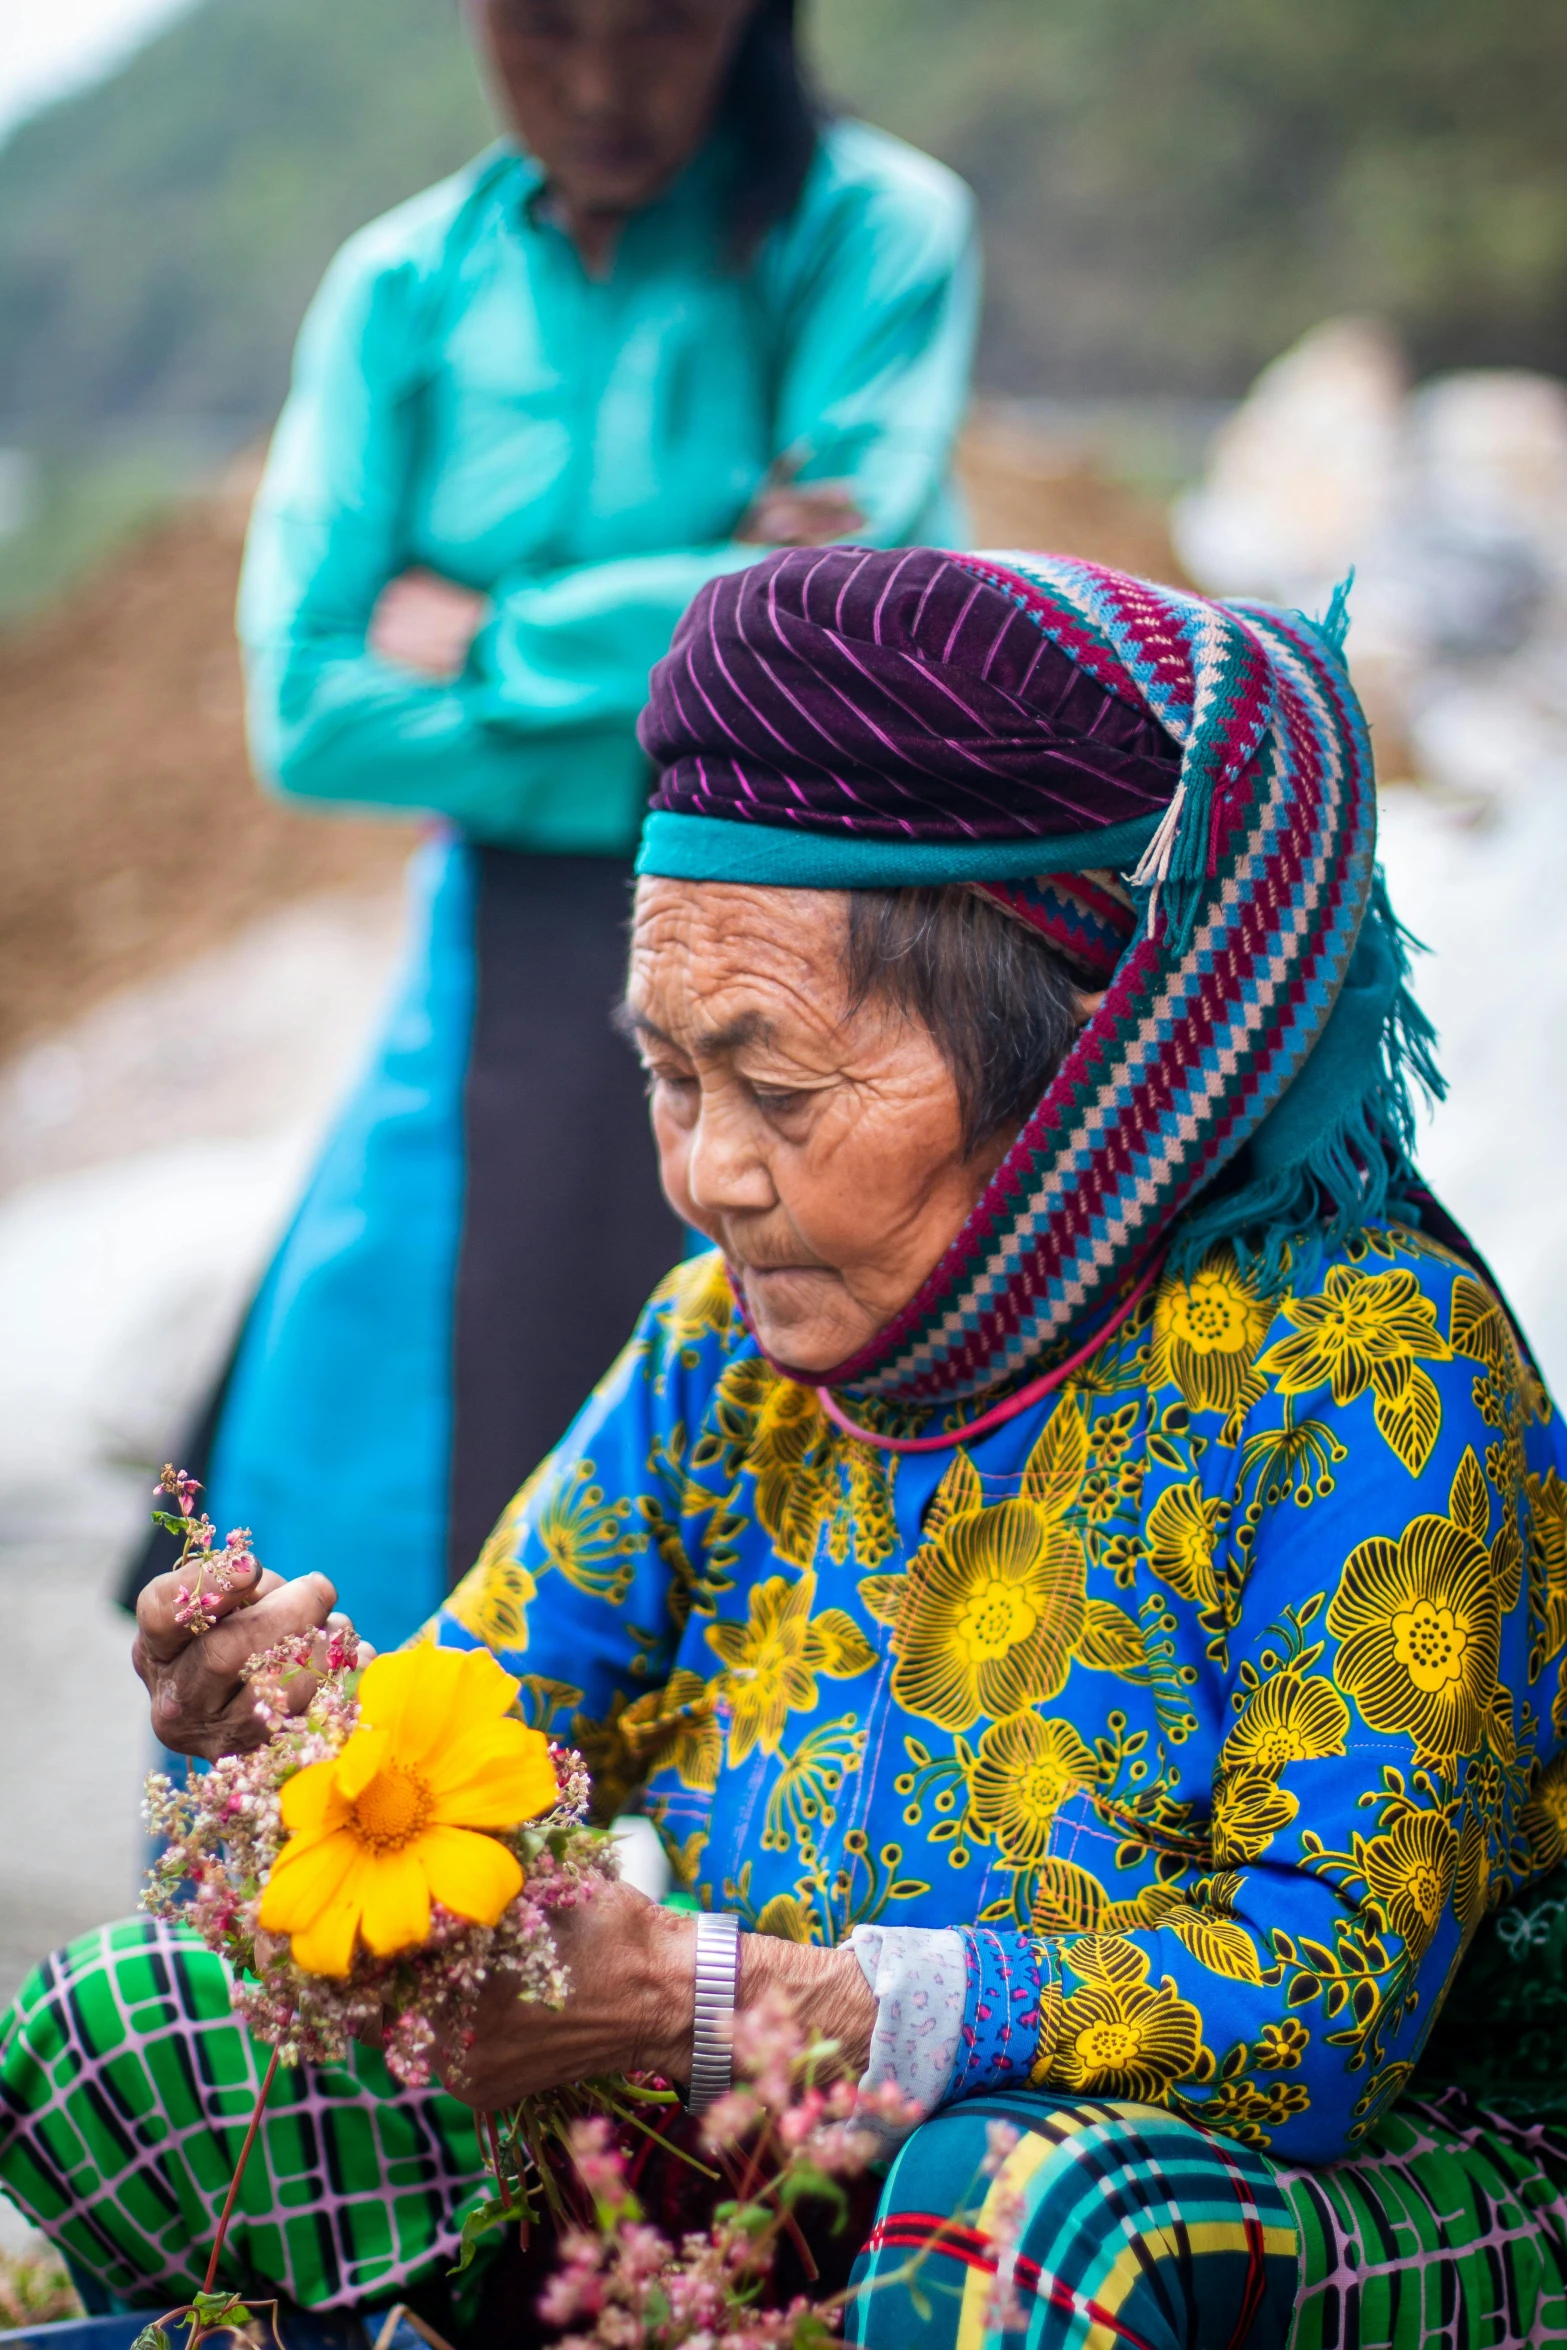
(1409, 1875)
(989, 1614)
(1118, 2036)
(1368, 1330)
(1184, 1526)
(1291, 1718)
(1207, 1333)
(492, 1599)
(772, 1660)
(1419, 1631)
(1025, 1767)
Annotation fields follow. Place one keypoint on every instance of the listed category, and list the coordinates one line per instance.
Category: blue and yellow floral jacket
(1216, 1698)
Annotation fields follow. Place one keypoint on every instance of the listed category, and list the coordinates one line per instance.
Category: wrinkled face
(614, 97)
(822, 1149)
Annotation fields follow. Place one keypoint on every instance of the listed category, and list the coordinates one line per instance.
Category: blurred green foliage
(161, 234)
(1173, 189)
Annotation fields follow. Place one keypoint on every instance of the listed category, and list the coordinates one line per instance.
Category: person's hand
(199, 1703)
(426, 623)
(800, 514)
(633, 2001)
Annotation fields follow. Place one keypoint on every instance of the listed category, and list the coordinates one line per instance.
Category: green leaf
(478, 2224)
(151, 2337)
(802, 2182)
(219, 2309)
(921, 2305)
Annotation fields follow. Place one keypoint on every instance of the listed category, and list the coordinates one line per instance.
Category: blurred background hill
(1171, 193)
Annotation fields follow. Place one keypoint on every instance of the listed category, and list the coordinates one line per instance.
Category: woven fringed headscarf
(1178, 794)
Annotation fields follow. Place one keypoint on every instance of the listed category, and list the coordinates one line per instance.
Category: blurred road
(149, 1156)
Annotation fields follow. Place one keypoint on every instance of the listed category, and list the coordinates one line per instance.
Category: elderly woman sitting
(1079, 1572)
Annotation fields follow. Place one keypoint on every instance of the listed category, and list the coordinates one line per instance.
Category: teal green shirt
(466, 397)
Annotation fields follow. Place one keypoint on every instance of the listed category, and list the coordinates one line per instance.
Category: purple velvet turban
(895, 696)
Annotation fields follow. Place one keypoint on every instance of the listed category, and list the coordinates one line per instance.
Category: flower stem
(262, 2094)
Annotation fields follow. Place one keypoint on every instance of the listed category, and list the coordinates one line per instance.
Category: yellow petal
(365, 1754)
(396, 1897)
(425, 1695)
(494, 1778)
(306, 1881)
(327, 1947)
(307, 1800)
(472, 1876)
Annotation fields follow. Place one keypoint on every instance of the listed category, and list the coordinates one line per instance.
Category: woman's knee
(1047, 2211)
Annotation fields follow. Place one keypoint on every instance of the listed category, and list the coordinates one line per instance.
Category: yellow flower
(699, 1299)
(1545, 1814)
(773, 1660)
(674, 1728)
(990, 1616)
(585, 1536)
(1409, 1875)
(1367, 1330)
(1025, 1767)
(1118, 2037)
(1281, 2046)
(1547, 1566)
(1249, 1809)
(492, 1599)
(1183, 1529)
(1419, 1633)
(1206, 1333)
(775, 1428)
(1289, 1719)
(389, 1823)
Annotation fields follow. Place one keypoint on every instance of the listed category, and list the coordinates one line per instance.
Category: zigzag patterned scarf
(1180, 793)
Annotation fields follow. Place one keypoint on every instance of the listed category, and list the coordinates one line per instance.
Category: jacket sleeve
(1368, 1643)
(875, 323)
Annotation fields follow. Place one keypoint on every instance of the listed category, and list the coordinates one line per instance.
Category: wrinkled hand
(800, 514)
(633, 1999)
(199, 1703)
(426, 623)
(633, 1971)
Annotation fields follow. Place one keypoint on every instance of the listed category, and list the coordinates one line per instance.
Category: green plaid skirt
(126, 2086)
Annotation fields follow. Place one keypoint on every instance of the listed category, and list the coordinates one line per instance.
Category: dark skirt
(471, 1252)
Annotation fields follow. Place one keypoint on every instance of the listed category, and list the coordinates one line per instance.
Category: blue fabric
(335, 1442)
(709, 848)
(1232, 1678)
(1000, 2028)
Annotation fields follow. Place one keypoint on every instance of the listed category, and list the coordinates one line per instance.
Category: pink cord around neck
(1002, 1412)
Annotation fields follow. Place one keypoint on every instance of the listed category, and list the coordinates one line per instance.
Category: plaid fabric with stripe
(1131, 2231)
(126, 2085)
(1135, 2231)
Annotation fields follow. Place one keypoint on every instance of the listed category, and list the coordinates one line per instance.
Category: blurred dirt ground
(132, 837)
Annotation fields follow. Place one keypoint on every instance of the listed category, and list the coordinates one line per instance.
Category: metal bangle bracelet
(717, 1986)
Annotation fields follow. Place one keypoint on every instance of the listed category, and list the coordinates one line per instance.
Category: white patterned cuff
(918, 1975)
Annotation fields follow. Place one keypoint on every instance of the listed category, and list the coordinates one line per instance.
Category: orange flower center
(393, 1810)
(1429, 1643)
(996, 1618)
